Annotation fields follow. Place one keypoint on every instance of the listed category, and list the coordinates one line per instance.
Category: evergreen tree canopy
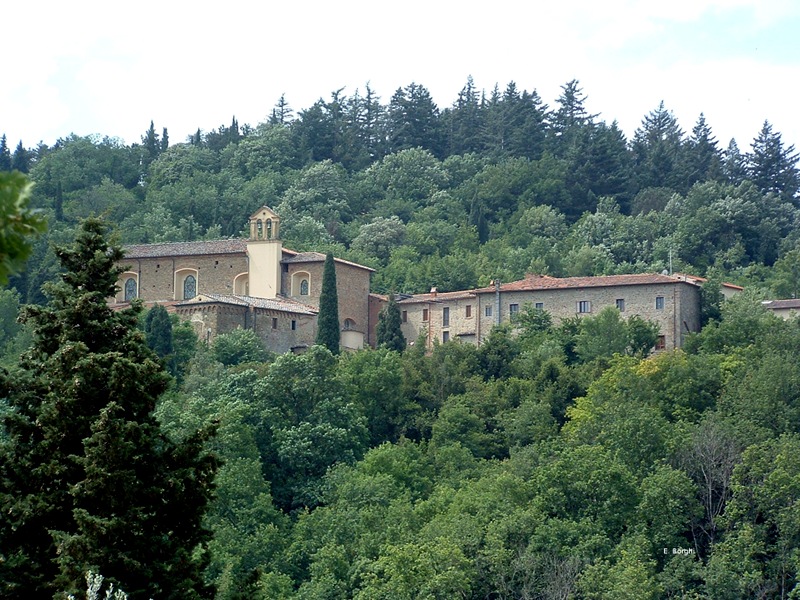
(328, 333)
(388, 330)
(87, 478)
(773, 167)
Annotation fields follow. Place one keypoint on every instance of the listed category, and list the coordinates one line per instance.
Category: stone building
(254, 283)
(785, 309)
(671, 302)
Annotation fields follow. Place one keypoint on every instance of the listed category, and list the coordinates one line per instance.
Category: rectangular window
(488, 311)
(539, 306)
(621, 304)
(405, 316)
(659, 302)
(468, 311)
(513, 310)
(446, 317)
(584, 306)
(294, 324)
(661, 342)
(274, 323)
(445, 336)
(425, 314)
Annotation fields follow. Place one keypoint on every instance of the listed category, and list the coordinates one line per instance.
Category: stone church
(254, 284)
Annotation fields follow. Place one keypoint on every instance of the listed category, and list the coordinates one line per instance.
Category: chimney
(434, 291)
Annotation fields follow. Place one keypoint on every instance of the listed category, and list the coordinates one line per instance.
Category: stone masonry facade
(209, 284)
(672, 303)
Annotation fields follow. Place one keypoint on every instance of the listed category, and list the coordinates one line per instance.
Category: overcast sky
(109, 68)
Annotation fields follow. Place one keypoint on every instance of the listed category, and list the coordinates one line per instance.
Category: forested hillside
(553, 461)
(492, 187)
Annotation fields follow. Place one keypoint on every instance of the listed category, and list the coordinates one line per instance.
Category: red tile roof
(231, 246)
(782, 304)
(306, 257)
(279, 303)
(438, 297)
(545, 282)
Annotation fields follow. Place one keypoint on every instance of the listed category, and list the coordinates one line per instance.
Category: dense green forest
(553, 461)
(492, 187)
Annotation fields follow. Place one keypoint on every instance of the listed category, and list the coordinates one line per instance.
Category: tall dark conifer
(328, 333)
(21, 159)
(87, 478)
(773, 167)
(388, 331)
(5, 154)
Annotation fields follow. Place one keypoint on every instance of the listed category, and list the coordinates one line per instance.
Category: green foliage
(111, 491)
(158, 331)
(328, 329)
(388, 332)
(608, 334)
(18, 223)
(238, 347)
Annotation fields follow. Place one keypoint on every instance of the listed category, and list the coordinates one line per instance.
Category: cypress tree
(388, 331)
(87, 478)
(328, 333)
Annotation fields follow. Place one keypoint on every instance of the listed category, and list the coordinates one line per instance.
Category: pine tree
(734, 165)
(703, 158)
(658, 151)
(87, 479)
(328, 333)
(772, 167)
(21, 159)
(5, 154)
(389, 334)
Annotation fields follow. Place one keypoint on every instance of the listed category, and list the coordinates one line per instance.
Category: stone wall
(215, 274)
(679, 315)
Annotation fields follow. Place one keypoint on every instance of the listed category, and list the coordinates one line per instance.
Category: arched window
(259, 229)
(269, 229)
(189, 287)
(130, 289)
(349, 324)
(304, 287)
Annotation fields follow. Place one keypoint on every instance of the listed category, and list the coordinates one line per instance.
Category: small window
(539, 306)
(424, 314)
(621, 304)
(274, 323)
(405, 316)
(513, 310)
(294, 324)
(446, 316)
(659, 302)
(349, 324)
(445, 336)
(130, 289)
(584, 306)
(488, 311)
(468, 311)
(661, 342)
(304, 287)
(189, 287)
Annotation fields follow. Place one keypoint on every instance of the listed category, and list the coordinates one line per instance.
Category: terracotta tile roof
(279, 303)
(545, 282)
(231, 246)
(438, 297)
(782, 304)
(306, 257)
(700, 280)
